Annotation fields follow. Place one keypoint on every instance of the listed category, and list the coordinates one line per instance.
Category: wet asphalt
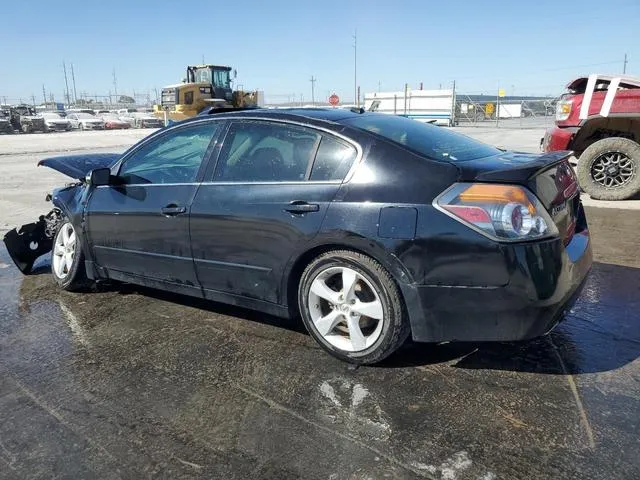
(126, 382)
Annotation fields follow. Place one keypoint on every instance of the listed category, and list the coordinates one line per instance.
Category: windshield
(51, 115)
(434, 142)
(84, 115)
(221, 78)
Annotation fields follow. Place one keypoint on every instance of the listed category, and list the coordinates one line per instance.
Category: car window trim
(163, 133)
(322, 131)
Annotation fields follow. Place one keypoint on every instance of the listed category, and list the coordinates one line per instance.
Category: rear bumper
(557, 138)
(546, 280)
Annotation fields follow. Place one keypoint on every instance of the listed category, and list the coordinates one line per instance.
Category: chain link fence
(481, 110)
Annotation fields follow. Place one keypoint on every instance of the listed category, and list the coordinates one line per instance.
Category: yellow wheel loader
(205, 86)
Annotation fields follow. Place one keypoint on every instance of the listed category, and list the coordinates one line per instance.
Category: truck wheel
(352, 307)
(609, 169)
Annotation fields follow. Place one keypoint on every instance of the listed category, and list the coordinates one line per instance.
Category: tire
(373, 289)
(80, 126)
(73, 276)
(615, 152)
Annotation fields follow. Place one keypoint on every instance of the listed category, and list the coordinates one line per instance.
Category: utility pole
(115, 85)
(313, 92)
(73, 80)
(355, 67)
(624, 68)
(66, 83)
(379, 84)
(33, 100)
(44, 94)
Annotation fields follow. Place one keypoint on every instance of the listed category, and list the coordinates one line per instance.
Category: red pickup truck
(599, 119)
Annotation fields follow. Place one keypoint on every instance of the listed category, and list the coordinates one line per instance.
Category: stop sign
(334, 99)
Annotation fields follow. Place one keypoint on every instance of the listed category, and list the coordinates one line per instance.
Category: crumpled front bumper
(28, 242)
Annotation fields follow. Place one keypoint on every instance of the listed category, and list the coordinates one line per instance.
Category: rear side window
(433, 142)
(333, 160)
(266, 152)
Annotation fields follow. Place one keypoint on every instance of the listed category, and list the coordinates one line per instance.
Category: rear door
(141, 225)
(266, 199)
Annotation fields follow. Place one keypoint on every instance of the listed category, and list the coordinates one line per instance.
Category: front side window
(266, 152)
(175, 157)
(188, 98)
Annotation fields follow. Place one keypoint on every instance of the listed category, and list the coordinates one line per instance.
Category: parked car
(5, 122)
(599, 119)
(25, 119)
(85, 121)
(371, 227)
(147, 120)
(113, 122)
(54, 122)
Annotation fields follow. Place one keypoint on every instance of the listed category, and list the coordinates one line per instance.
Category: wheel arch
(297, 264)
(598, 128)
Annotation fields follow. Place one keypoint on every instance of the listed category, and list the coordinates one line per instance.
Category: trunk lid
(549, 176)
(78, 166)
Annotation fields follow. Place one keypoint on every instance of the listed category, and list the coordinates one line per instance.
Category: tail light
(501, 212)
(563, 109)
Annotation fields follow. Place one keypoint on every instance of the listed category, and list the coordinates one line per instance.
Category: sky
(525, 47)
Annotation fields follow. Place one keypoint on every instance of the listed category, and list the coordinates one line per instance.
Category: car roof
(328, 117)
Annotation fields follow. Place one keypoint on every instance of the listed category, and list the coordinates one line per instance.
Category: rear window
(436, 143)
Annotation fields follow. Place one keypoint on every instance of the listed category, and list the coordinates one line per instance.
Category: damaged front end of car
(27, 243)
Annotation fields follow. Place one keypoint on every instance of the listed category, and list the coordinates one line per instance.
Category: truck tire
(609, 169)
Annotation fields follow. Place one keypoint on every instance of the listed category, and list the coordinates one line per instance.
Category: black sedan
(369, 227)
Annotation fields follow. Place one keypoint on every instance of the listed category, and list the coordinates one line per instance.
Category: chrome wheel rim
(345, 309)
(64, 250)
(613, 169)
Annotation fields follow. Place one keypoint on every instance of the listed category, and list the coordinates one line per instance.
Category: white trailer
(424, 105)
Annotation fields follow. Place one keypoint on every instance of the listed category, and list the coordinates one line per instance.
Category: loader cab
(218, 77)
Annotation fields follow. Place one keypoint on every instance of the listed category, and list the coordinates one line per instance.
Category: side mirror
(99, 176)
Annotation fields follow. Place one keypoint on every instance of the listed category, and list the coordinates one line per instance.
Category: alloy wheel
(345, 309)
(612, 169)
(64, 250)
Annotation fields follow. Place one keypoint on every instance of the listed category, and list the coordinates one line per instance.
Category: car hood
(78, 166)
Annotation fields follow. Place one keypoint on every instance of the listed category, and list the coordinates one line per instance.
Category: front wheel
(352, 307)
(67, 259)
(609, 169)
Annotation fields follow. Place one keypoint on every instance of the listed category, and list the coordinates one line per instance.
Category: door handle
(300, 206)
(172, 210)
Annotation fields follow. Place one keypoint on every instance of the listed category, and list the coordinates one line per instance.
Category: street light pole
(355, 68)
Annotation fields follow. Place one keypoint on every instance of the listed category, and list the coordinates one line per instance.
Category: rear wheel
(67, 259)
(352, 307)
(609, 169)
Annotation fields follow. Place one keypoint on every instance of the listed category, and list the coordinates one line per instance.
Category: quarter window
(266, 152)
(175, 157)
(333, 160)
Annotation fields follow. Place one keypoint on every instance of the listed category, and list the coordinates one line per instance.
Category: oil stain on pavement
(126, 382)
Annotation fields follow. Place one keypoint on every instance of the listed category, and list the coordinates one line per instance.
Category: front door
(265, 201)
(140, 225)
